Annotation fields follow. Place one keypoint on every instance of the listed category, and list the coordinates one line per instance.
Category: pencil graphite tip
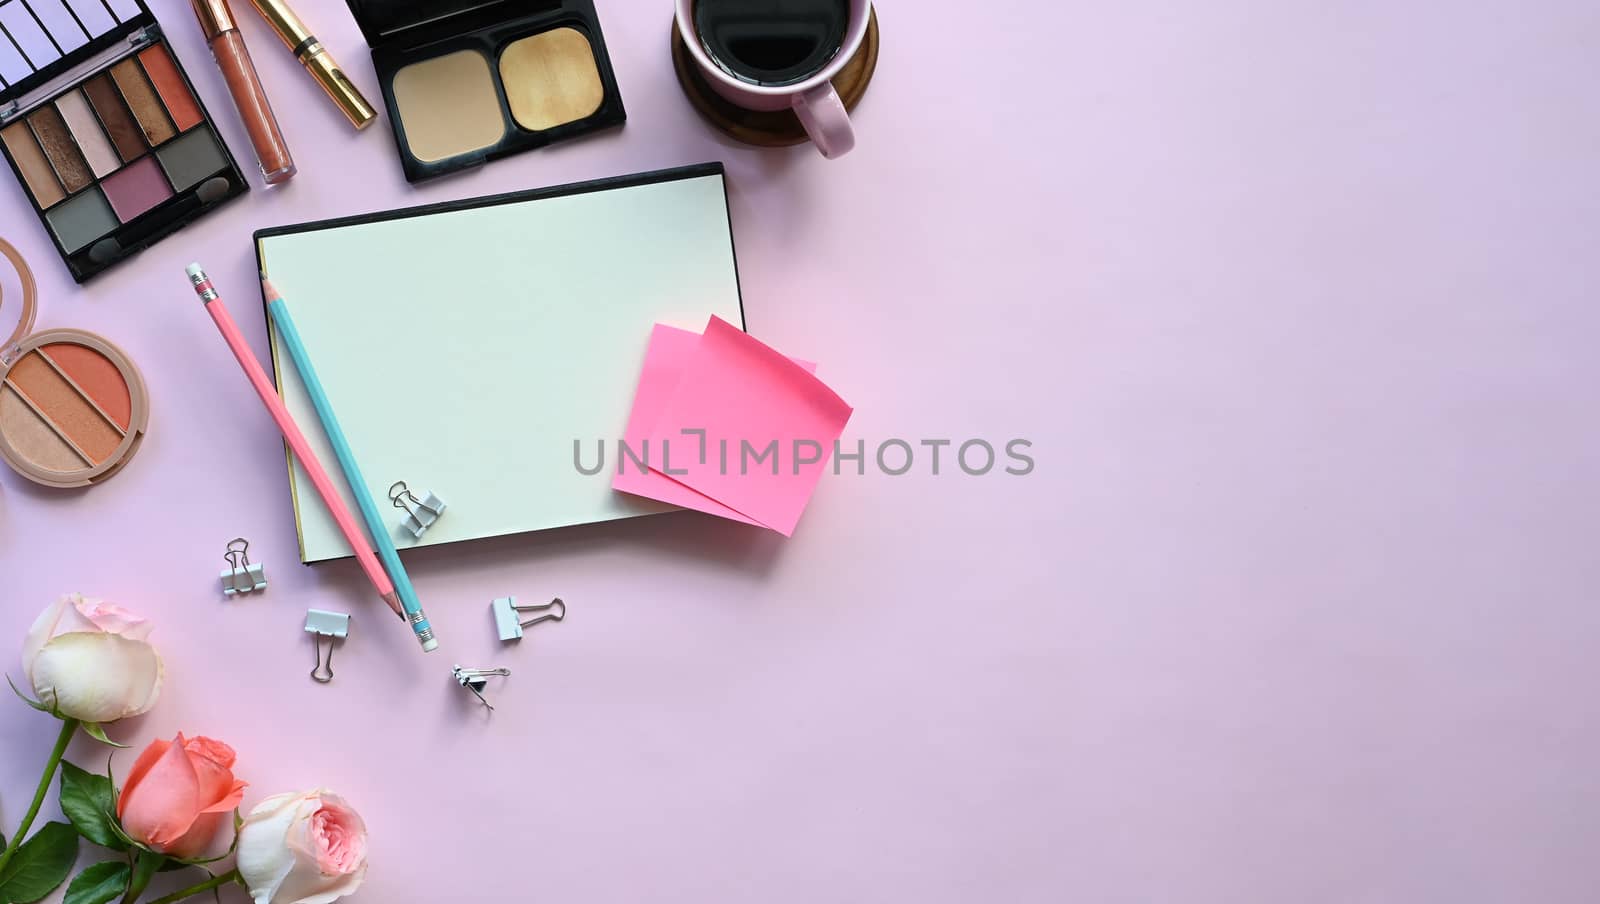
(270, 289)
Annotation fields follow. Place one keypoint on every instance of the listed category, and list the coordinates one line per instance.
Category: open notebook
(466, 346)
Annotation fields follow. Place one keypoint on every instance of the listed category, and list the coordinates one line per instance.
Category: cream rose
(307, 848)
(89, 660)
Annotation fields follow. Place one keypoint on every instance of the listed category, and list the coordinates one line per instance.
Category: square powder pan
(401, 34)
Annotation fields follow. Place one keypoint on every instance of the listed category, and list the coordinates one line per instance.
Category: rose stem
(191, 891)
(68, 726)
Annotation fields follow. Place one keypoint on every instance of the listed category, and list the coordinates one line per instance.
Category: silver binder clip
(476, 680)
(331, 625)
(420, 513)
(505, 616)
(242, 575)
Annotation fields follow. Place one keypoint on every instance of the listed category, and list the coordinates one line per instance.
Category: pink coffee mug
(813, 100)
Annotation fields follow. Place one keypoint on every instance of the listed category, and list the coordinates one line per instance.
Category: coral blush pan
(73, 408)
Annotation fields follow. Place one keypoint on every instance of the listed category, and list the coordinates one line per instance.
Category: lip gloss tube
(249, 98)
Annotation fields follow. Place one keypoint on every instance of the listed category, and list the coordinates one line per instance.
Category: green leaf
(116, 827)
(98, 732)
(87, 800)
(41, 864)
(25, 698)
(122, 837)
(99, 883)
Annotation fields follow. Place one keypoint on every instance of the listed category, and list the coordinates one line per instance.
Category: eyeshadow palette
(73, 407)
(104, 129)
(469, 81)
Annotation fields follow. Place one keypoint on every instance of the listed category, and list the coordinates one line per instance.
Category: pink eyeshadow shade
(136, 188)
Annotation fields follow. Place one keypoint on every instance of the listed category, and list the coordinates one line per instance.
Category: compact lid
(30, 301)
(383, 21)
(41, 40)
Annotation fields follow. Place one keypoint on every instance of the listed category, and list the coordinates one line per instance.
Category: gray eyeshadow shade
(191, 158)
(81, 220)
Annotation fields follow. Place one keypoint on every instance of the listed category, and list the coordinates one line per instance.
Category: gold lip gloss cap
(215, 17)
(323, 68)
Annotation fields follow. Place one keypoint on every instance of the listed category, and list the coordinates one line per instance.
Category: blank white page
(464, 351)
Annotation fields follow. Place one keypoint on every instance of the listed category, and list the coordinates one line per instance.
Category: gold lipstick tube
(317, 60)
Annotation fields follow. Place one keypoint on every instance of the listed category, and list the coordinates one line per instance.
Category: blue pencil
(352, 472)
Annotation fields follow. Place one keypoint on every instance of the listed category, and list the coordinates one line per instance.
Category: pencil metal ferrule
(202, 284)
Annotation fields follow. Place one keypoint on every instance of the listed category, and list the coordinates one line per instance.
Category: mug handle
(825, 120)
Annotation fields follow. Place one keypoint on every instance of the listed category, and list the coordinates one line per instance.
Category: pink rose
(178, 794)
(308, 848)
(89, 660)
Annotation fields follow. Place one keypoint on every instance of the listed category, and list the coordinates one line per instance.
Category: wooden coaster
(780, 128)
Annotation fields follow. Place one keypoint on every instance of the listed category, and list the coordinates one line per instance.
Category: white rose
(89, 660)
(306, 848)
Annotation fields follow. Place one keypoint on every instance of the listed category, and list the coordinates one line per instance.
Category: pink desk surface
(1296, 302)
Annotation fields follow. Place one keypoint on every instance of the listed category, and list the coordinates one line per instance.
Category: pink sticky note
(669, 351)
(770, 427)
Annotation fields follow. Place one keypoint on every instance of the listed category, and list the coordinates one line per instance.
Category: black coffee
(771, 42)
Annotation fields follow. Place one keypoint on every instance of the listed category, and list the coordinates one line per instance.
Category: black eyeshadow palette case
(104, 130)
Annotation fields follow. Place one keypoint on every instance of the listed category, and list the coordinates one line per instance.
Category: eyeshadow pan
(86, 129)
(550, 79)
(191, 159)
(448, 106)
(142, 101)
(136, 188)
(59, 148)
(36, 172)
(169, 84)
(64, 407)
(81, 220)
(33, 438)
(125, 134)
(97, 376)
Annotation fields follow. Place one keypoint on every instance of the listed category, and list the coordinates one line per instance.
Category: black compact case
(409, 37)
(167, 143)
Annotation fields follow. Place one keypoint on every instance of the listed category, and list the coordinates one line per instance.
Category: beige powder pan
(73, 407)
(448, 106)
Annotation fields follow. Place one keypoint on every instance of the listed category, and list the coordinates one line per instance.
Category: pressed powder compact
(73, 407)
(104, 130)
(469, 81)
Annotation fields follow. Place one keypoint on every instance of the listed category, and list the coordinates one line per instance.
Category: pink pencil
(297, 440)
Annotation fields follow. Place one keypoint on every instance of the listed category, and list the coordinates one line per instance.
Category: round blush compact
(73, 407)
